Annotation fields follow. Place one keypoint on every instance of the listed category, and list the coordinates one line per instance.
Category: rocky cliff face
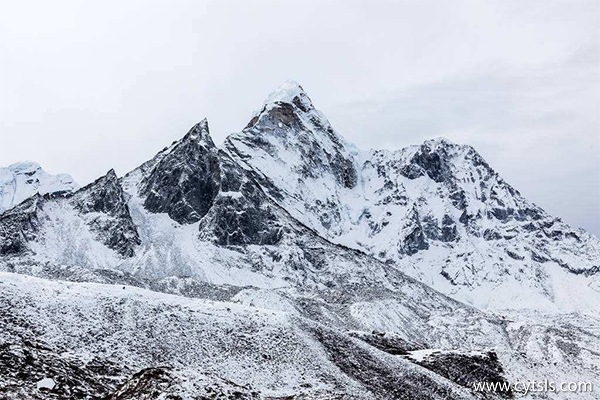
(185, 180)
(19, 226)
(286, 262)
(104, 207)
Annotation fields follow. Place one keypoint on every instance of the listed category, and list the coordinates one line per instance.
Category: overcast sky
(88, 86)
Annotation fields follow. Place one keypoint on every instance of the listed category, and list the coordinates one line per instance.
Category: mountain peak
(289, 92)
(183, 180)
(440, 140)
(199, 133)
(111, 174)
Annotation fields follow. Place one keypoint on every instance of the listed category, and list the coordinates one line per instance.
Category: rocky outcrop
(469, 370)
(19, 226)
(185, 181)
(104, 207)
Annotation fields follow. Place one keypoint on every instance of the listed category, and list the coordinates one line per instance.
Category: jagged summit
(199, 133)
(286, 110)
(437, 208)
(441, 141)
(183, 180)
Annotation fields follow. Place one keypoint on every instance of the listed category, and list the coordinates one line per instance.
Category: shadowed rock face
(185, 181)
(18, 226)
(241, 218)
(110, 219)
(427, 162)
(415, 239)
(240, 214)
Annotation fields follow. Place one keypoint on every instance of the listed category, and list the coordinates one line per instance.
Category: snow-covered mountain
(286, 262)
(22, 180)
(436, 210)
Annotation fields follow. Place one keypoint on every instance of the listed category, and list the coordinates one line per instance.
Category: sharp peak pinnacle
(198, 133)
(199, 128)
(110, 176)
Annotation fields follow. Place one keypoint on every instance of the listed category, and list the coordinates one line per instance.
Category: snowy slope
(132, 329)
(22, 180)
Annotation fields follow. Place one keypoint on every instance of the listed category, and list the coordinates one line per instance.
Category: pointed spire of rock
(111, 174)
(199, 133)
(185, 179)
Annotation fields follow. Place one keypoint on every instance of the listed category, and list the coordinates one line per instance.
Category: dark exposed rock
(536, 256)
(491, 234)
(430, 163)
(412, 171)
(430, 227)
(149, 383)
(111, 221)
(514, 255)
(468, 370)
(465, 217)
(283, 113)
(458, 198)
(241, 218)
(447, 276)
(414, 240)
(19, 226)
(185, 181)
(345, 172)
(578, 271)
(241, 214)
(449, 231)
(381, 379)
(501, 214)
